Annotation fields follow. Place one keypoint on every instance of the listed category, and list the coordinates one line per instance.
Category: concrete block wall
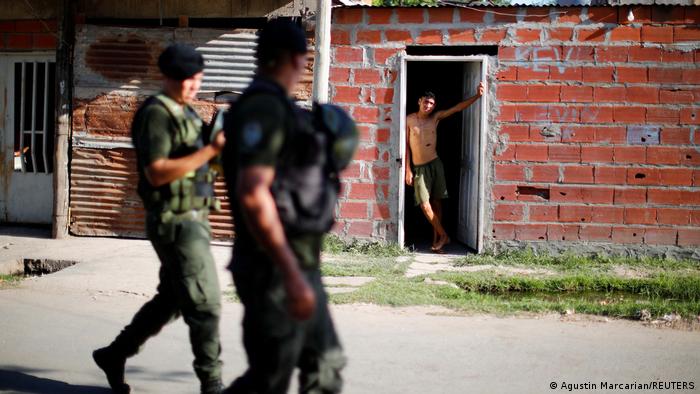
(593, 128)
(28, 34)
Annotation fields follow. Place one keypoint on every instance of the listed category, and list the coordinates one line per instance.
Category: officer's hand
(219, 141)
(409, 179)
(302, 300)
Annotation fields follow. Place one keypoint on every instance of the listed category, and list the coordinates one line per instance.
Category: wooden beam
(66, 10)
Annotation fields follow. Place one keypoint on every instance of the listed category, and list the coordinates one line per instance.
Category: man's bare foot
(444, 240)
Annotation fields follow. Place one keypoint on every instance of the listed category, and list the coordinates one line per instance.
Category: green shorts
(429, 181)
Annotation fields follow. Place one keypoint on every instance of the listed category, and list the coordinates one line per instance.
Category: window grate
(33, 120)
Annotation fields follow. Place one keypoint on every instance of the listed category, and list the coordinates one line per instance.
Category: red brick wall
(27, 34)
(595, 119)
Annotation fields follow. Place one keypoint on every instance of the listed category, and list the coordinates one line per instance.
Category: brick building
(587, 137)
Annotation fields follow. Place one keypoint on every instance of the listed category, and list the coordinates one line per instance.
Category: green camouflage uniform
(275, 342)
(178, 228)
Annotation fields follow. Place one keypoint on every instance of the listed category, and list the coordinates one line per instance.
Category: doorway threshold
(453, 249)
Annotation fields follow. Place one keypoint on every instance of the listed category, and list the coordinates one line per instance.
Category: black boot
(113, 366)
(212, 387)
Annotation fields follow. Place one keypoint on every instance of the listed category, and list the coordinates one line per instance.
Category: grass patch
(401, 291)
(660, 286)
(588, 285)
(9, 280)
(571, 262)
(598, 285)
(362, 266)
(334, 245)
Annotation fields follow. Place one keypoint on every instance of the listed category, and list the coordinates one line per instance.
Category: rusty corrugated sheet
(229, 62)
(115, 70)
(103, 199)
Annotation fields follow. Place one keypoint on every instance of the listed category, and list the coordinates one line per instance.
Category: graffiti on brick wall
(539, 55)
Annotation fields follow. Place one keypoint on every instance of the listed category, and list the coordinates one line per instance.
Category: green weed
(572, 262)
(334, 245)
(659, 286)
(362, 266)
(9, 280)
(401, 291)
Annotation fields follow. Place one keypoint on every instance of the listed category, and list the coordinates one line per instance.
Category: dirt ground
(50, 325)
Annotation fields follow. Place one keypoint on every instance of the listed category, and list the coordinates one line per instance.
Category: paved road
(49, 326)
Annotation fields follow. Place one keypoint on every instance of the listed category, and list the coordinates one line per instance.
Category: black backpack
(306, 184)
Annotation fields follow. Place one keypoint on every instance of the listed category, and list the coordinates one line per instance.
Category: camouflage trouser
(276, 343)
(189, 287)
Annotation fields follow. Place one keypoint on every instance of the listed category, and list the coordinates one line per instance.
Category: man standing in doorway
(176, 187)
(424, 171)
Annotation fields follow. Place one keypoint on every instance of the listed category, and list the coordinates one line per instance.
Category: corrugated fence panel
(103, 199)
(229, 62)
(115, 70)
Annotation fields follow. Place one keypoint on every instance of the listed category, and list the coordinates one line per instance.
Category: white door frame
(402, 138)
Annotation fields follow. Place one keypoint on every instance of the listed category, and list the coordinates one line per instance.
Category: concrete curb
(11, 267)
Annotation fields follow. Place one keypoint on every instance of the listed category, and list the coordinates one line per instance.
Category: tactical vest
(195, 190)
(305, 187)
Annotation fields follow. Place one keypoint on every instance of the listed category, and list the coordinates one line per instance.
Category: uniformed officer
(176, 187)
(273, 162)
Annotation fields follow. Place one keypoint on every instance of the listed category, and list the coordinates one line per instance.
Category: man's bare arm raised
(461, 106)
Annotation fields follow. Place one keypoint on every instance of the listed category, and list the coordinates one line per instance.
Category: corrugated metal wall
(230, 62)
(115, 70)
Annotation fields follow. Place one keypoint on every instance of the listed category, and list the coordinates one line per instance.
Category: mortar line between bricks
(604, 224)
(554, 204)
(596, 186)
(605, 165)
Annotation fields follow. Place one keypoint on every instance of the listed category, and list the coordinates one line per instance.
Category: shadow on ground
(16, 380)
(174, 376)
(13, 230)
(453, 248)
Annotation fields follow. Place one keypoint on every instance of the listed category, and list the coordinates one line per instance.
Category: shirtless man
(425, 172)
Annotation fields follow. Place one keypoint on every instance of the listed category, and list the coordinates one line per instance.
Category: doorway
(27, 94)
(459, 146)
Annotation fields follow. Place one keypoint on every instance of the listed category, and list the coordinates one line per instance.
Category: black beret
(280, 35)
(180, 61)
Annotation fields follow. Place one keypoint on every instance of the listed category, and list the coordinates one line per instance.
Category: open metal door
(468, 221)
(27, 84)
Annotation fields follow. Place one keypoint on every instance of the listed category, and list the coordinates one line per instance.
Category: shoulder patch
(252, 134)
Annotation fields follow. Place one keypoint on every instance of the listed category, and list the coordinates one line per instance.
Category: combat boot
(213, 387)
(113, 366)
